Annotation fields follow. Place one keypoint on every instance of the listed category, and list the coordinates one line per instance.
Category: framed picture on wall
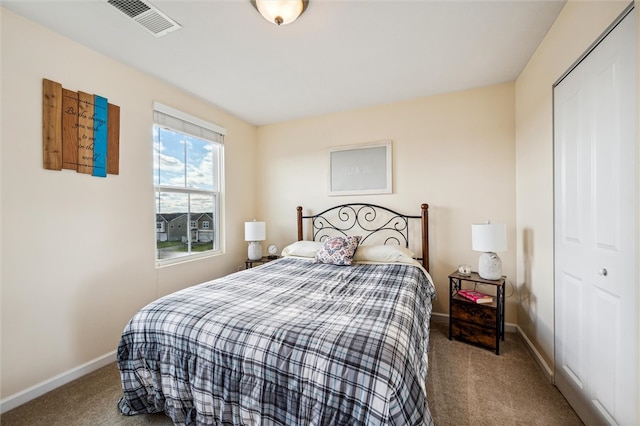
(360, 169)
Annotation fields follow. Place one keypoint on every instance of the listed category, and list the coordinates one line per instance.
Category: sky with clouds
(183, 161)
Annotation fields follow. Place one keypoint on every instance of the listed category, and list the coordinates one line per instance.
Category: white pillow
(383, 253)
(302, 249)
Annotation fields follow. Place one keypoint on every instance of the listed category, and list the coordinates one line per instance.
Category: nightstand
(251, 263)
(477, 323)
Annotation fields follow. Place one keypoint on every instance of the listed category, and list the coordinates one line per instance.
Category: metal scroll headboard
(376, 224)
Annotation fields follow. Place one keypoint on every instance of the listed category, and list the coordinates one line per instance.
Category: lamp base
(255, 250)
(489, 266)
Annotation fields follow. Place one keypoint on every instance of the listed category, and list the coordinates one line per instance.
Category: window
(188, 161)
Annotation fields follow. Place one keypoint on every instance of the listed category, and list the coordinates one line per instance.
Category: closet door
(596, 231)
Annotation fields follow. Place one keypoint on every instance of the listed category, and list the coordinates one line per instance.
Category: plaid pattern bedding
(286, 343)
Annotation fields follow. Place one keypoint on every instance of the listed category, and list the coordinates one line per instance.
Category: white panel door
(596, 231)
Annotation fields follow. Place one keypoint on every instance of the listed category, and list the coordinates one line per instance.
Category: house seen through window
(187, 173)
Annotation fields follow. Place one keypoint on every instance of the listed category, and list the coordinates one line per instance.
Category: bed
(327, 334)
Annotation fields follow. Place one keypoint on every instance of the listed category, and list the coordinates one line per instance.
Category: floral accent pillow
(338, 250)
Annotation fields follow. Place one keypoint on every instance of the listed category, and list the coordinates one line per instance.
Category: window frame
(180, 122)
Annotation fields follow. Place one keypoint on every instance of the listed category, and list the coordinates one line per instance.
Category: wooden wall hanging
(80, 131)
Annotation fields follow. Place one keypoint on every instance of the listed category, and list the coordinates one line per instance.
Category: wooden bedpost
(425, 235)
(299, 209)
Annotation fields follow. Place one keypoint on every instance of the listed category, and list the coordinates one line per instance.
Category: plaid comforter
(286, 343)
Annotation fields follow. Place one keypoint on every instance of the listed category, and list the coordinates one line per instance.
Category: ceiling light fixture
(280, 12)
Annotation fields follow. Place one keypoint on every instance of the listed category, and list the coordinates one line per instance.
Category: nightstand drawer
(475, 313)
(474, 333)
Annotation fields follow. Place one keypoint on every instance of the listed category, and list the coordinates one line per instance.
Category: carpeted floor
(466, 386)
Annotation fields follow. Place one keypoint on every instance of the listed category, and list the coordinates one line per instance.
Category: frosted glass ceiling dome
(280, 12)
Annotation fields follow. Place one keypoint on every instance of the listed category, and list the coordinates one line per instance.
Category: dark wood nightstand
(251, 263)
(478, 323)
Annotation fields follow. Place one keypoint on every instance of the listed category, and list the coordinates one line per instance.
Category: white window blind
(170, 117)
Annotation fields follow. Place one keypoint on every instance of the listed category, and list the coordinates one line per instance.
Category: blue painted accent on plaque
(101, 106)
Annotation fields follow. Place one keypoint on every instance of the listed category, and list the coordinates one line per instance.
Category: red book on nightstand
(475, 296)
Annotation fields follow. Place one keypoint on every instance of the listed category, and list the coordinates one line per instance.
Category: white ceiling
(339, 55)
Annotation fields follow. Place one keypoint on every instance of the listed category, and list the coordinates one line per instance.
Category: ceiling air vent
(154, 21)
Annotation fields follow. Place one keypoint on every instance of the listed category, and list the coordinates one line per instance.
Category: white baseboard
(35, 391)
(544, 367)
(439, 317)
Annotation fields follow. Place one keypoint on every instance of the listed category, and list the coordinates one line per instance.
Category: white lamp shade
(489, 237)
(255, 231)
(275, 10)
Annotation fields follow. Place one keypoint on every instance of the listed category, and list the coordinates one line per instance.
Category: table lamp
(489, 238)
(254, 232)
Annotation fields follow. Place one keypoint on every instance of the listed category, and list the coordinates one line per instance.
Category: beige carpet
(466, 386)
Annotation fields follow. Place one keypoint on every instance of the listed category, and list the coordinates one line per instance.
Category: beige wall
(453, 151)
(579, 24)
(78, 251)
